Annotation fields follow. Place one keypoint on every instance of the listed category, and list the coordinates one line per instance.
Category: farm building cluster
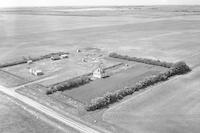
(53, 68)
(39, 72)
(90, 57)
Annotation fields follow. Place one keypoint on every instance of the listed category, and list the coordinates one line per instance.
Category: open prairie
(168, 33)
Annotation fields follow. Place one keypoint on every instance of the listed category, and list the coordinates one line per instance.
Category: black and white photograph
(99, 66)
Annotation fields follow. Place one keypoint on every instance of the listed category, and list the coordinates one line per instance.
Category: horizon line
(101, 5)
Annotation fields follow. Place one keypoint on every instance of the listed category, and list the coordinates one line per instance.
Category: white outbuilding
(64, 56)
(78, 50)
(29, 62)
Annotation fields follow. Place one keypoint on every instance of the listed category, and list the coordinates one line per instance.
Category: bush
(142, 60)
(111, 97)
(180, 68)
(50, 91)
(69, 84)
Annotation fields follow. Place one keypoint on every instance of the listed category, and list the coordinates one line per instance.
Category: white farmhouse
(99, 73)
(36, 72)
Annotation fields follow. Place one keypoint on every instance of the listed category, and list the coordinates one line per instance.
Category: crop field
(117, 81)
(167, 33)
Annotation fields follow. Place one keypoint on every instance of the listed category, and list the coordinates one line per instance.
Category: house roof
(99, 69)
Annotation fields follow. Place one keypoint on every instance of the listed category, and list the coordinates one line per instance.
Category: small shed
(78, 50)
(29, 62)
(84, 60)
(64, 56)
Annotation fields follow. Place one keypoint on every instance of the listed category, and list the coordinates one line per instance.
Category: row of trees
(24, 59)
(142, 60)
(17, 62)
(111, 97)
(50, 55)
(69, 84)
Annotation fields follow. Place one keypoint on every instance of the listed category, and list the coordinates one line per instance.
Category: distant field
(117, 81)
(40, 34)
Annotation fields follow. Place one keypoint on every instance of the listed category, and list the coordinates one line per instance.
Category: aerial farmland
(108, 69)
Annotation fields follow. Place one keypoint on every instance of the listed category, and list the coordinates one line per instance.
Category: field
(168, 33)
(172, 106)
(14, 119)
(169, 107)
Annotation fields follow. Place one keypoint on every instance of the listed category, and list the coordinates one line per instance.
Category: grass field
(168, 33)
